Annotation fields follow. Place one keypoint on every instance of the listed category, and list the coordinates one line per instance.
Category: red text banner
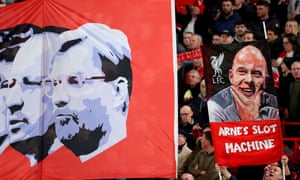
(247, 142)
(194, 54)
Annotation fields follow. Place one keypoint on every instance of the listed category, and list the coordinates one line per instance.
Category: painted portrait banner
(81, 90)
(242, 107)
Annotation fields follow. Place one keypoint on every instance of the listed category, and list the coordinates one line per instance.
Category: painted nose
(60, 97)
(248, 77)
(14, 100)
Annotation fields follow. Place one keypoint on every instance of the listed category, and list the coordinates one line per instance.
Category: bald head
(250, 55)
(186, 114)
(248, 72)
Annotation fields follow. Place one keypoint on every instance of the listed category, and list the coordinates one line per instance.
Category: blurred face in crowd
(272, 36)
(240, 29)
(196, 42)
(186, 114)
(226, 38)
(287, 45)
(273, 172)
(291, 27)
(187, 176)
(296, 70)
(248, 73)
(262, 11)
(193, 78)
(181, 139)
(227, 7)
(204, 141)
(216, 39)
(248, 37)
(187, 39)
(203, 88)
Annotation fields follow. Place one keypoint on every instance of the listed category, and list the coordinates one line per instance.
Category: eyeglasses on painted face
(75, 81)
(7, 83)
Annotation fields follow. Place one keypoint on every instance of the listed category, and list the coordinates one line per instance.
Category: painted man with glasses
(29, 116)
(11, 39)
(90, 85)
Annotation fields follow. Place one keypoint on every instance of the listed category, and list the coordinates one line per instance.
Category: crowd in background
(219, 23)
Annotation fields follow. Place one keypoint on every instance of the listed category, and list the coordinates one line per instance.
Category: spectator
(199, 105)
(203, 166)
(239, 28)
(186, 124)
(249, 36)
(226, 37)
(291, 112)
(279, 9)
(294, 10)
(276, 47)
(275, 42)
(191, 88)
(227, 18)
(291, 51)
(183, 151)
(295, 158)
(245, 9)
(185, 79)
(198, 147)
(263, 17)
(192, 21)
(286, 167)
(291, 26)
(196, 42)
(187, 36)
(180, 48)
(216, 39)
(187, 176)
(273, 172)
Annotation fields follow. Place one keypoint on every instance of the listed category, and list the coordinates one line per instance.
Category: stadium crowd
(201, 23)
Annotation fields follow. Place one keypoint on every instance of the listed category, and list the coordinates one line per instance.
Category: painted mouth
(16, 121)
(247, 91)
(15, 130)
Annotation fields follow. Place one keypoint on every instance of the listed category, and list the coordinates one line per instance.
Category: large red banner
(242, 107)
(87, 90)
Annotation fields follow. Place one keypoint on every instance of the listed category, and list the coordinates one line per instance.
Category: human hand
(248, 107)
(223, 170)
(293, 14)
(284, 160)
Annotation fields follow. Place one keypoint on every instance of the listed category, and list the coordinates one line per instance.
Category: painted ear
(230, 75)
(122, 95)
